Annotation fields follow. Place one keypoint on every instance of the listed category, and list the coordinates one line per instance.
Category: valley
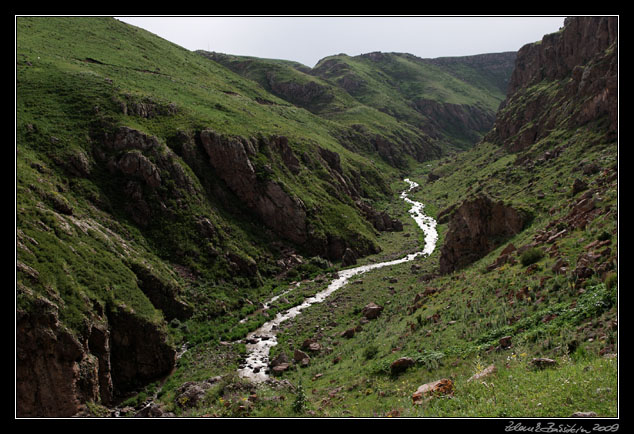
(201, 234)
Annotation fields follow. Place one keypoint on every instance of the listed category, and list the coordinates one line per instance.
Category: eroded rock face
(284, 214)
(143, 162)
(476, 227)
(470, 121)
(139, 352)
(135, 163)
(380, 220)
(568, 79)
(164, 295)
(58, 370)
(280, 144)
(580, 41)
(129, 138)
(49, 365)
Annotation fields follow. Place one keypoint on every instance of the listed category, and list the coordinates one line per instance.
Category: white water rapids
(264, 338)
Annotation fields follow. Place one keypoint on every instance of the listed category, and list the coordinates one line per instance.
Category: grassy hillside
(452, 326)
(123, 212)
(546, 316)
(401, 84)
(388, 94)
(94, 221)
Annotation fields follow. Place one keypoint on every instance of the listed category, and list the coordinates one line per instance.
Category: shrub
(370, 352)
(299, 404)
(531, 256)
(603, 236)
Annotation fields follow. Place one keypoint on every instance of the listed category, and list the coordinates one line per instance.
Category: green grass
(557, 317)
(74, 75)
(76, 241)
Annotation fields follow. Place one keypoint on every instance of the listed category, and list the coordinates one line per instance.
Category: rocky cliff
(476, 227)
(283, 213)
(566, 80)
(563, 87)
(58, 370)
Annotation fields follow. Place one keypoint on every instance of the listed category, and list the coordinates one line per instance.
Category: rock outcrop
(58, 370)
(380, 220)
(54, 375)
(141, 163)
(467, 121)
(139, 352)
(476, 227)
(280, 211)
(236, 161)
(568, 79)
(308, 94)
(163, 294)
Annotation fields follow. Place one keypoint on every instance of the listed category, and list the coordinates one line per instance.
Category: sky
(307, 39)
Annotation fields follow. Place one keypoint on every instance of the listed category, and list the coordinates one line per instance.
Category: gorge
(169, 199)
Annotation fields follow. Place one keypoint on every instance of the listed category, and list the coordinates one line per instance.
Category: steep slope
(574, 74)
(363, 129)
(453, 100)
(515, 314)
(399, 103)
(153, 185)
(160, 194)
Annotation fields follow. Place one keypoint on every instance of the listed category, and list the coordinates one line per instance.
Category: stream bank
(260, 341)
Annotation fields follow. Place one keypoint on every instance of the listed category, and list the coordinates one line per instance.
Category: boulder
(482, 374)
(191, 393)
(476, 227)
(578, 186)
(279, 360)
(401, 365)
(348, 333)
(542, 362)
(278, 369)
(505, 342)
(443, 387)
(311, 345)
(584, 414)
(301, 357)
(372, 311)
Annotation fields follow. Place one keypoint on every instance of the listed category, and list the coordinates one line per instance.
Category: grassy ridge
(76, 242)
(74, 76)
(377, 93)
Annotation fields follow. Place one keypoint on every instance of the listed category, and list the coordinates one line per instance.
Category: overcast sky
(309, 39)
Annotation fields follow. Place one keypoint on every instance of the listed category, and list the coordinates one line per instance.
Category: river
(264, 338)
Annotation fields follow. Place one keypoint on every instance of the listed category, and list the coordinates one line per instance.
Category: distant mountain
(452, 101)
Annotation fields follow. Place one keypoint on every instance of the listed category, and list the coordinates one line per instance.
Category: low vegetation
(541, 308)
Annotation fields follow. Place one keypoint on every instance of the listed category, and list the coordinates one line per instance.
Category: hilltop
(446, 102)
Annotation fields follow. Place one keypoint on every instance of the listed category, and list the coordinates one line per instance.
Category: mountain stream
(260, 341)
